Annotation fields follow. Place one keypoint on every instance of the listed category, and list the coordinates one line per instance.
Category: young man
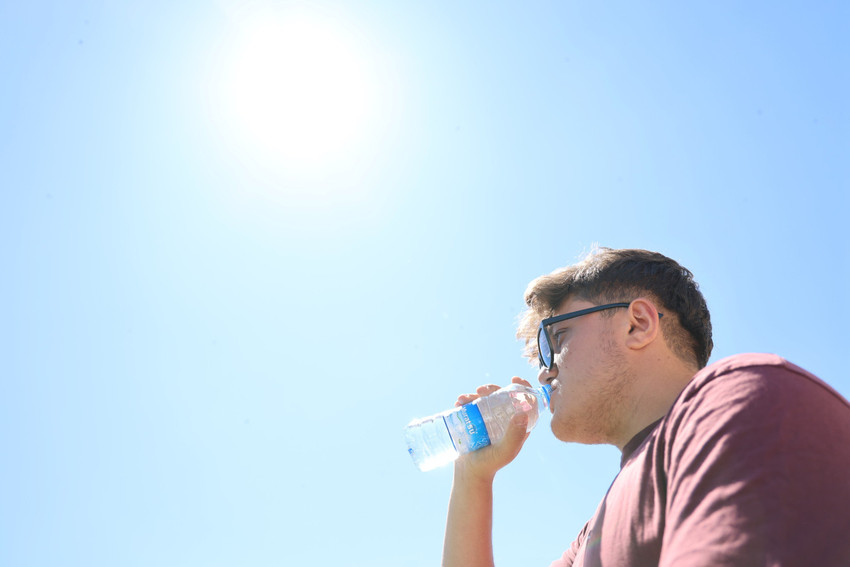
(744, 462)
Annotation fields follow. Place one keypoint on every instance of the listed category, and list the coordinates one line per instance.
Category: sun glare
(296, 89)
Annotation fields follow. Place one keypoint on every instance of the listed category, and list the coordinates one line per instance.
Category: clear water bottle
(440, 439)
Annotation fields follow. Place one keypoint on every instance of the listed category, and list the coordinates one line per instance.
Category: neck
(654, 390)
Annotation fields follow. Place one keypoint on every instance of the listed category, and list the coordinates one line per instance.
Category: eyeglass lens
(543, 348)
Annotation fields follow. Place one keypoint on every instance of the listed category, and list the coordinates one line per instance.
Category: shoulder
(750, 399)
(755, 448)
(751, 364)
(756, 376)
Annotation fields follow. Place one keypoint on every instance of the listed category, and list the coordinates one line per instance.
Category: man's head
(610, 276)
(629, 329)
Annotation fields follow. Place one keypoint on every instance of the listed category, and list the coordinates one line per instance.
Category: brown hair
(608, 276)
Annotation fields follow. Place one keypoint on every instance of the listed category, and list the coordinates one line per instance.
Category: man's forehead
(571, 304)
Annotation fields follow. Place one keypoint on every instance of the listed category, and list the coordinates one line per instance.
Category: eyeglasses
(544, 342)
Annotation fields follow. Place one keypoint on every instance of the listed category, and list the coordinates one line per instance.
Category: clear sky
(244, 243)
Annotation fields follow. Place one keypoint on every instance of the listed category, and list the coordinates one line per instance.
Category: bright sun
(296, 88)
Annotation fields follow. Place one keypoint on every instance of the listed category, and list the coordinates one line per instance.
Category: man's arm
(469, 526)
(470, 523)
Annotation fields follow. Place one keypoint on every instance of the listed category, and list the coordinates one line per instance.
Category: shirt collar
(630, 447)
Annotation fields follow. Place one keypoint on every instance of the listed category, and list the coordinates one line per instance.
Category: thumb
(517, 430)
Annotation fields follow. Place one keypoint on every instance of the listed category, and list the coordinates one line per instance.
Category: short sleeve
(757, 469)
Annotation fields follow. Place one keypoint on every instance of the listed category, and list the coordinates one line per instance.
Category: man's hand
(483, 464)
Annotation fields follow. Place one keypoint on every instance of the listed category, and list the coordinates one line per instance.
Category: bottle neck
(544, 393)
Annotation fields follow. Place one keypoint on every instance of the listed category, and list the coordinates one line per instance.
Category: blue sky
(235, 267)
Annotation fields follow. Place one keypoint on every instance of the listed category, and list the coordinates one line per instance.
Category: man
(744, 462)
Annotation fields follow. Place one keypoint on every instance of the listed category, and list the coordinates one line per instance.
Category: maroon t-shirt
(751, 466)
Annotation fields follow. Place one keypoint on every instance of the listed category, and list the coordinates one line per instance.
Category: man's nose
(546, 375)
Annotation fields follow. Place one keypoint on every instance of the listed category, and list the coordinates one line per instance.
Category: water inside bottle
(429, 443)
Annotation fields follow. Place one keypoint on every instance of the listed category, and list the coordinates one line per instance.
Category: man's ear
(644, 323)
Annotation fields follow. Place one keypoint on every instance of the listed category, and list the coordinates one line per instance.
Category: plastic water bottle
(440, 439)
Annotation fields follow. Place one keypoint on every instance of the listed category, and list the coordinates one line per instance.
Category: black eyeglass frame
(558, 318)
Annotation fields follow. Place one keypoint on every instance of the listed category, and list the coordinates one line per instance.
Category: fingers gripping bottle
(440, 439)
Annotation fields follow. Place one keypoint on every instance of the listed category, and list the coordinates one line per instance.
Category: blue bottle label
(467, 428)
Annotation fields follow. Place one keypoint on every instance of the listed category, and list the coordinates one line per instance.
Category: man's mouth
(555, 387)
